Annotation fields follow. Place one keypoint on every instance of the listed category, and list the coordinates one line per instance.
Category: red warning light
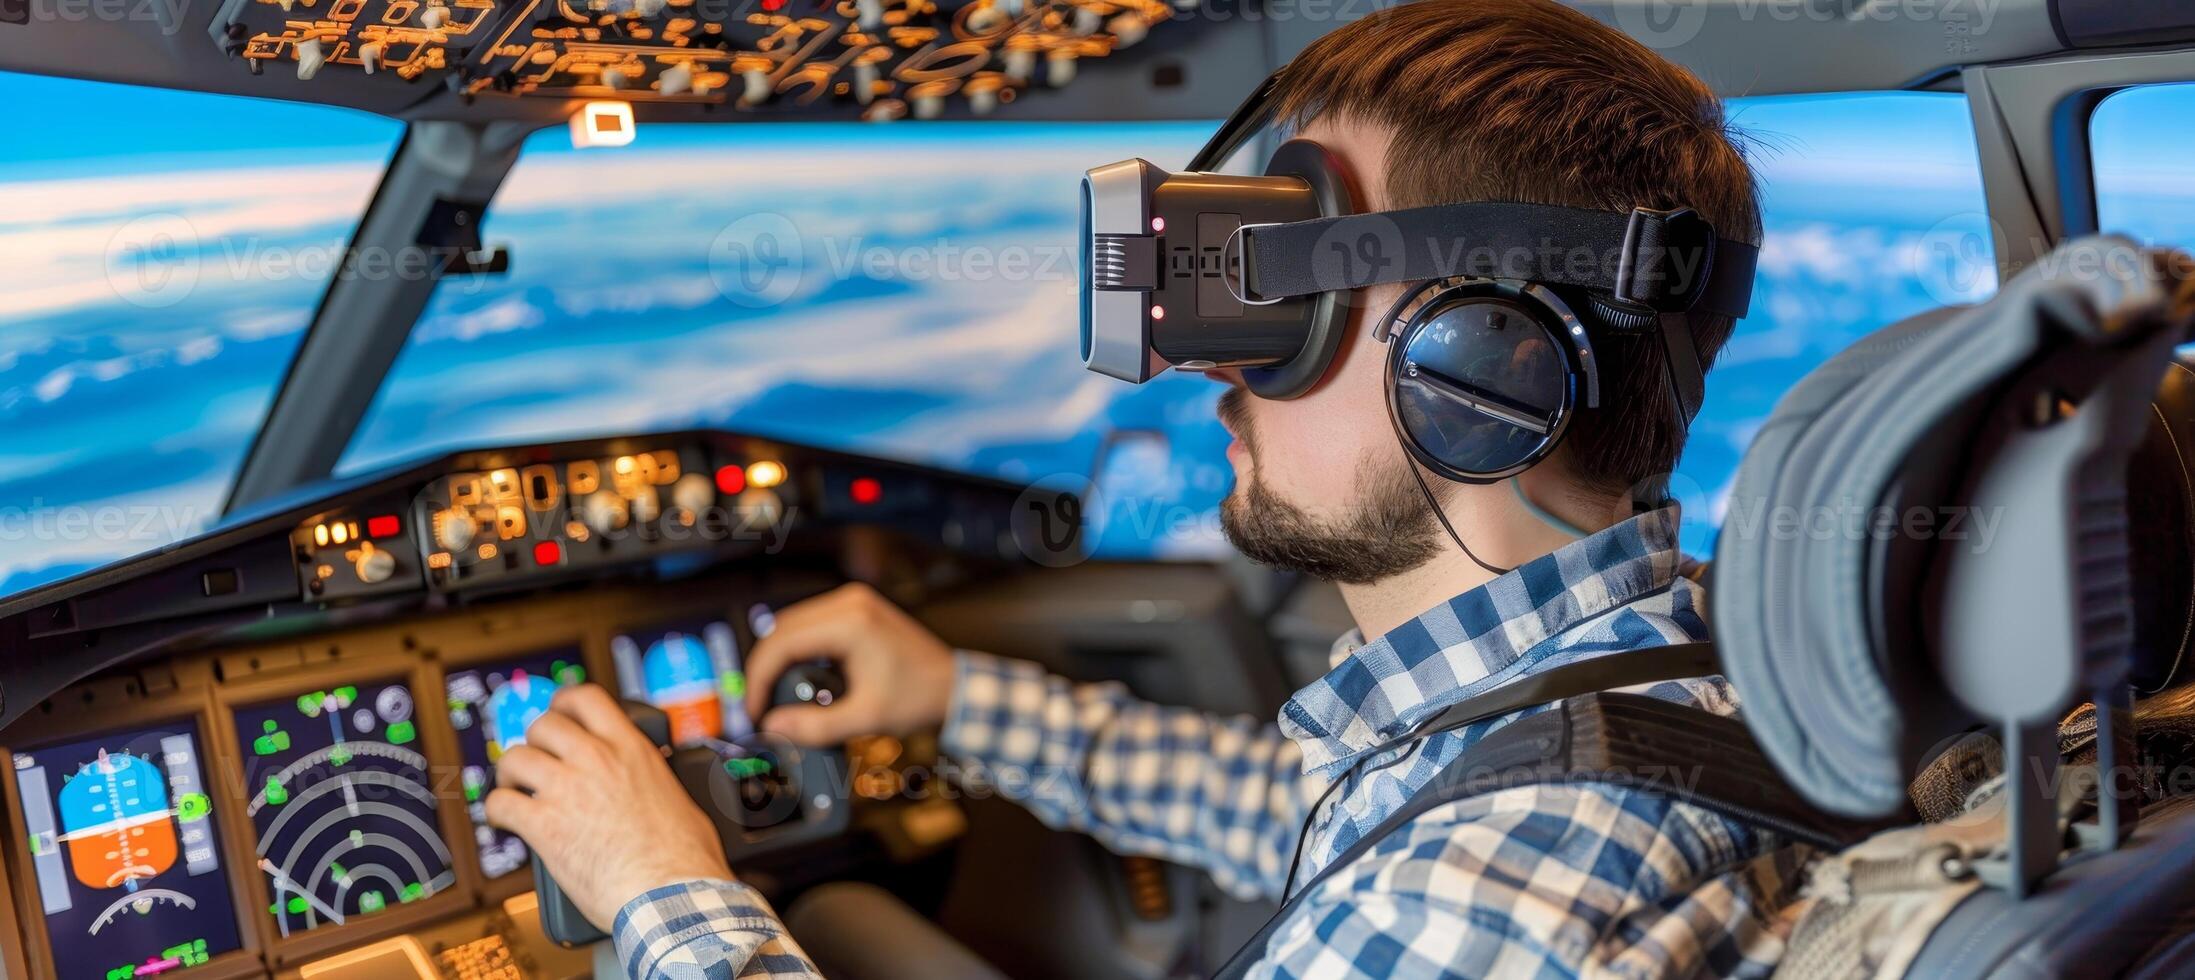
(384, 526)
(731, 479)
(548, 553)
(865, 490)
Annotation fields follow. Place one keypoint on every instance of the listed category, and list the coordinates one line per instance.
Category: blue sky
(119, 391)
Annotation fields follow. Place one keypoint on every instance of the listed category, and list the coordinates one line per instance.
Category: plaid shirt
(1556, 880)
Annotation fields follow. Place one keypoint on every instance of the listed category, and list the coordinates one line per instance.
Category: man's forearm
(707, 928)
(1225, 795)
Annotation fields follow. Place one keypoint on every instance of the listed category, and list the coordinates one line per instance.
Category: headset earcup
(1483, 379)
(1326, 317)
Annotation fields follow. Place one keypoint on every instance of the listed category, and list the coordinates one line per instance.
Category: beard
(1386, 532)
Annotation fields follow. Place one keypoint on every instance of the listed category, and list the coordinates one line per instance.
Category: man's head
(1442, 101)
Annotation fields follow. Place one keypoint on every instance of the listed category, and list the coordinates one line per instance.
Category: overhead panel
(882, 59)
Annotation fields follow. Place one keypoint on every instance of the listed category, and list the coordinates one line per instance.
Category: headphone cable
(1451, 528)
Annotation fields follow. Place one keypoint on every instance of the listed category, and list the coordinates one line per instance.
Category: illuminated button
(383, 526)
(865, 490)
(453, 529)
(646, 507)
(603, 511)
(731, 479)
(766, 473)
(548, 553)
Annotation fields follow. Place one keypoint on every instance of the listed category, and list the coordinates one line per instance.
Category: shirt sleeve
(706, 929)
(1227, 795)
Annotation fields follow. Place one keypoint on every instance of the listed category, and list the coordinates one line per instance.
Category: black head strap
(1665, 261)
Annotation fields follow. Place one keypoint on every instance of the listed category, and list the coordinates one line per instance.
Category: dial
(453, 529)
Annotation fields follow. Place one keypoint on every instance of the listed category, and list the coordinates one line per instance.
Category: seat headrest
(1929, 530)
(2160, 505)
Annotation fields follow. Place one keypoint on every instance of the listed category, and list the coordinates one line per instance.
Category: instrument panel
(886, 59)
(266, 749)
(281, 806)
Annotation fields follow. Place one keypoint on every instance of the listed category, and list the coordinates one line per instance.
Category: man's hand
(605, 815)
(899, 676)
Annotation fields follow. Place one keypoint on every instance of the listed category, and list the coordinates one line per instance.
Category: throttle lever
(561, 921)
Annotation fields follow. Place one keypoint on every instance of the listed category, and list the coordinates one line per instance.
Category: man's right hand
(899, 675)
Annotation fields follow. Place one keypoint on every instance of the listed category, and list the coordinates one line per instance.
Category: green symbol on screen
(412, 892)
(567, 674)
(734, 685)
(402, 732)
(297, 905)
(372, 902)
(192, 806)
(277, 794)
(747, 767)
(309, 704)
(339, 755)
(358, 838)
(343, 696)
(275, 740)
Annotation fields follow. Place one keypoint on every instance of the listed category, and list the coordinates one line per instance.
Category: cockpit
(372, 370)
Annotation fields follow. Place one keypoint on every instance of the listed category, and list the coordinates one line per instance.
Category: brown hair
(1529, 100)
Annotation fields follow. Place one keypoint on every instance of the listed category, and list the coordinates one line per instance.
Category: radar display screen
(125, 855)
(491, 706)
(694, 673)
(342, 803)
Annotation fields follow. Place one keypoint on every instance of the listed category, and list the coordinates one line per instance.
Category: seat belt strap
(1627, 740)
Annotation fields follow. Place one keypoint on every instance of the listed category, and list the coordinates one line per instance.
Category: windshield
(162, 253)
(906, 291)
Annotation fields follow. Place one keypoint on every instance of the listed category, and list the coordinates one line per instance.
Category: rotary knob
(693, 493)
(373, 564)
(603, 511)
(453, 530)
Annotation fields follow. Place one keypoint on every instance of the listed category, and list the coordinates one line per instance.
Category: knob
(310, 56)
(369, 55)
(603, 511)
(755, 86)
(453, 530)
(433, 16)
(616, 79)
(646, 508)
(676, 80)
(869, 14)
(693, 493)
(373, 564)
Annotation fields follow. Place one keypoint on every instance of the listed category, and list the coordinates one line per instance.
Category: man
(1431, 102)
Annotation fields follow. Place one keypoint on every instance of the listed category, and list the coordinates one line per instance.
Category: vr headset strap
(1645, 743)
(1666, 261)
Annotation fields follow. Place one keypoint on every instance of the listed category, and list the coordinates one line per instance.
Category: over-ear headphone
(1484, 375)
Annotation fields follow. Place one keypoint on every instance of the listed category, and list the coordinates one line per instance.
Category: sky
(160, 272)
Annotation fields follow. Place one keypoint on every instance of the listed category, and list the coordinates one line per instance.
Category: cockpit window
(906, 291)
(1874, 211)
(162, 254)
(2139, 140)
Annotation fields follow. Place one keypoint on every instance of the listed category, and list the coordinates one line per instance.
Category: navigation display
(491, 706)
(694, 673)
(342, 803)
(124, 852)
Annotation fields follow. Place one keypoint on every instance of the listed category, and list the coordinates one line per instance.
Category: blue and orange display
(692, 672)
(491, 706)
(124, 854)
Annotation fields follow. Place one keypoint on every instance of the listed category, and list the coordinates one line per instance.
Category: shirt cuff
(692, 923)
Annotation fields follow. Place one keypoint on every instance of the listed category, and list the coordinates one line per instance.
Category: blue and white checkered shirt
(1557, 880)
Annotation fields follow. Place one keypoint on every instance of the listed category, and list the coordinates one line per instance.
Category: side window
(160, 270)
(2139, 141)
(1873, 211)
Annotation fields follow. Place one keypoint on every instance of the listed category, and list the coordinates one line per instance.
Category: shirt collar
(1476, 641)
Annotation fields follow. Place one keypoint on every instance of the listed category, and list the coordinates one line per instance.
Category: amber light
(766, 473)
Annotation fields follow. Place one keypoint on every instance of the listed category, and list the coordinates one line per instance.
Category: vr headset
(1489, 352)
